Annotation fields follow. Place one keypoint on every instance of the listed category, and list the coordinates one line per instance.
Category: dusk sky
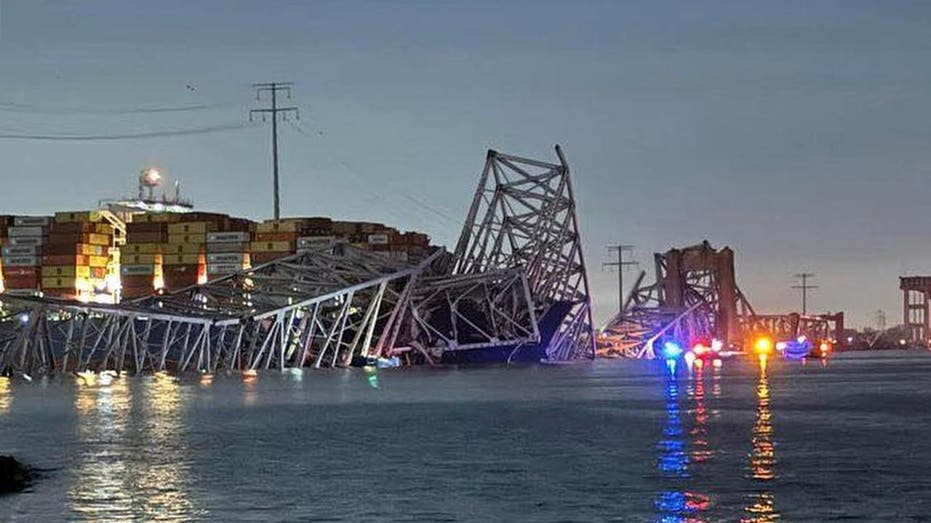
(798, 133)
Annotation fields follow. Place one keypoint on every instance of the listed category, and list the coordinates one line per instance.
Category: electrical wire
(126, 136)
(417, 202)
(15, 107)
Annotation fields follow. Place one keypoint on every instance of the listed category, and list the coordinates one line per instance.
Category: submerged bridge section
(516, 287)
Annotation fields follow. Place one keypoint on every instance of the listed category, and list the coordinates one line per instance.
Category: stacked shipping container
(67, 256)
(22, 253)
(173, 251)
(75, 256)
(4, 223)
(227, 253)
(141, 258)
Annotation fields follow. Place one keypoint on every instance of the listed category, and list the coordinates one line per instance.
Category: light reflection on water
(629, 442)
(762, 507)
(133, 466)
(100, 491)
(680, 451)
(6, 395)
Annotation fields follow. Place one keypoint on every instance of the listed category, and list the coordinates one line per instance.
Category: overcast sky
(798, 133)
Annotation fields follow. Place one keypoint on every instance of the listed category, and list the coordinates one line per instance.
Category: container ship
(135, 247)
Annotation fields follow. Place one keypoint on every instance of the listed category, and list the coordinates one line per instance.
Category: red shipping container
(71, 248)
(19, 272)
(77, 237)
(65, 259)
(80, 227)
(20, 282)
(146, 227)
(61, 294)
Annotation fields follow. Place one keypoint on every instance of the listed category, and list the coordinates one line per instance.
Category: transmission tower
(621, 266)
(804, 287)
(273, 88)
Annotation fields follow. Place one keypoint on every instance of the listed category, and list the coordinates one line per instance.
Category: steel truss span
(524, 215)
(518, 261)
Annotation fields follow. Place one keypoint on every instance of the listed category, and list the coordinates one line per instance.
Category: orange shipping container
(275, 236)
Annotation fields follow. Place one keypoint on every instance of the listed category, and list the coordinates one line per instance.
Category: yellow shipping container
(141, 259)
(98, 239)
(183, 248)
(140, 248)
(271, 246)
(182, 259)
(89, 250)
(72, 271)
(187, 238)
(97, 261)
(78, 216)
(279, 226)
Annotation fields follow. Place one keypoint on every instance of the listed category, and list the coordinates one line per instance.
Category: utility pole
(273, 88)
(880, 320)
(804, 287)
(621, 266)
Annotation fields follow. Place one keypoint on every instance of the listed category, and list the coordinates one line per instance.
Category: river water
(602, 441)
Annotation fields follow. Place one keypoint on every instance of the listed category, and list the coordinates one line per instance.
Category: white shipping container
(226, 257)
(22, 250)
(223, 268)
(21, 261)
(27, 240)
(312, 241)
(137, 270)
(227, 237)
(378, 239)
(26, 230)
(32, 220)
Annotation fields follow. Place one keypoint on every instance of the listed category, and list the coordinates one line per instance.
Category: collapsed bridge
(515, 288)
(695, 298)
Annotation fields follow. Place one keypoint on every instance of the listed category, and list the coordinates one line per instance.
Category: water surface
(602, 441)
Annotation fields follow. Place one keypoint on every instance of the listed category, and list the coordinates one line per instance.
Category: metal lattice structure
(518, 261)
(695, 298)
(524, 215)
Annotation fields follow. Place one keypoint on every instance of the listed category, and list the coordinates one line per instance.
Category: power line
(273, 88)
(804, 288)
(126, 136)
(15, 107)
(366, 181)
